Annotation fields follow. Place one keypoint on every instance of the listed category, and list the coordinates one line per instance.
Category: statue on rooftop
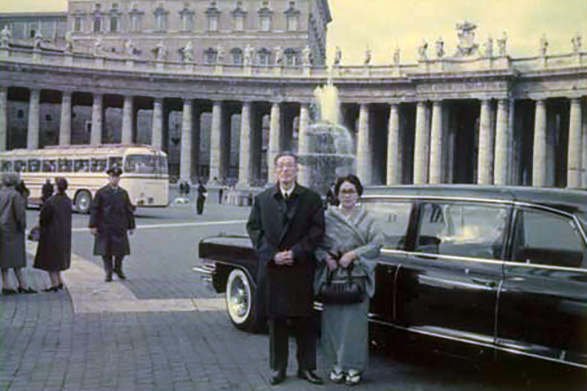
(129, 47)
(576, 43)
(249, 53)
(5, 36)
(38, 42)
(439, 47)
(307, 56)
(98, 47)
(337, 56)
(489, 47)
(160, 51)
(543, 46)
(220, 54)
(396, 55)
(187, 53)
(278, 56)
(422, 51)
(68, 43)
(368, 57)
(502, 44)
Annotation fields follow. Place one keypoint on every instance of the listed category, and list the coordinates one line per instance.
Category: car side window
(471, 230)
(547, 238)
(393, 218)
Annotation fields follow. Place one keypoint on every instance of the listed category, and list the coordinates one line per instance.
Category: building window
(135, 20)
(291, 57)
(292, 16)
(210, 56)
(237, 56)
(213, 15)
(239, 15)
(114, 24)
(265, 17)
(77, 24)
(97, 24)
(264, 57)
(160, 19)
(187, 19)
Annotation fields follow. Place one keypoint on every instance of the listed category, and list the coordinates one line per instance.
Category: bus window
(81, 165)
(141, 164)
(163, 165)
(34, 165)
(99, 165)
(49, 165)
(115, 161)
(5, 165)
(64, 165)
(20, 165)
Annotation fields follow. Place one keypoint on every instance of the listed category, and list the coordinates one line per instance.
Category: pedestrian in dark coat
(12, 235)
(286, 225)
(46, 191)
(54, 250)
(202, 194)
(111, 216)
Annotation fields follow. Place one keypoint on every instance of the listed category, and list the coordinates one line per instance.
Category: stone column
(575, 145)
(215, 137)
(34, 113)
(127, 120)
(97, 112)
(3, 118)
(394, 167)
(584, 133)
(245, 155)
(502, 143)
(185, 163)
(157, 124)
(421, 146)
(65, 120)
(539, 158)
(363, 146)
(436, 145)
(484, 162)
(303, 173)
(274, 141)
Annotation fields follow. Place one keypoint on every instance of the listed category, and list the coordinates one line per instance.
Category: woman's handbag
(347, 290)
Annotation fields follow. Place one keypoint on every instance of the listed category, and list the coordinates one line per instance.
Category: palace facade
(476, 116)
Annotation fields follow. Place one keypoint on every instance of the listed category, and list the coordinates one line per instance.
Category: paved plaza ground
(162, 329)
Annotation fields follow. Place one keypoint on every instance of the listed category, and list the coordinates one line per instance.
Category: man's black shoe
(108, 277)
(120, 275)
(310, 376)
(277, 377)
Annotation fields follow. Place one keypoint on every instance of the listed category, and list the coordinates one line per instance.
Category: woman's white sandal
(353, 378)
(337, 376)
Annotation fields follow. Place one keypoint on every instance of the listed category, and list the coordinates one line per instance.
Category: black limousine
(498, 270)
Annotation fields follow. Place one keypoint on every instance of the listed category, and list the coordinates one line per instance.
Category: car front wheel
(240, 301)
(83, 200)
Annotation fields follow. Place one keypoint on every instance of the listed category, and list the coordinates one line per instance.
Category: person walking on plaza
(286, 224)
(54, 250)
(46, 190)
(202, 194)
(12, 235)
(111, 216)
(352, 240)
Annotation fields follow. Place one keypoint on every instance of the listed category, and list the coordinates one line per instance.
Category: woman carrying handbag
(345, 281)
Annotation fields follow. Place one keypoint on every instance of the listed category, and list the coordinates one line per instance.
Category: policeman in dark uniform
(111, 216)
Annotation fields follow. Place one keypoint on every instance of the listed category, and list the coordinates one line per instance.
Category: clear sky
(383, 24)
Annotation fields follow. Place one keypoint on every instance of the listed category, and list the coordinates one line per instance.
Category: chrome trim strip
(496, 347)
(548, 267)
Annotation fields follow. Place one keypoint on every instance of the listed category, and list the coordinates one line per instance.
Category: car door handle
(489, 283)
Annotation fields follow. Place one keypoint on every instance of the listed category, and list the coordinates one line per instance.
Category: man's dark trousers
(305, 340)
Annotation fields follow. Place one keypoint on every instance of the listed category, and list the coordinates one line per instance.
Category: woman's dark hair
(61, 184)
(351, 178)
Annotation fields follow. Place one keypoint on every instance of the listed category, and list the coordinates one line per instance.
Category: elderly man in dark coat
(46, 191)
(111, 216)
(286, 225)
(12, 235)
(54, 250)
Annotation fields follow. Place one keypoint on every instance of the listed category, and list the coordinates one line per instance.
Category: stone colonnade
(431, 150)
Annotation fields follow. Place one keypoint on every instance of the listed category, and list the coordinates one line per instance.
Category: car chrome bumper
(206, 271)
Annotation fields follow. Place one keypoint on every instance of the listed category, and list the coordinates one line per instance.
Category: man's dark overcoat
(113, 215)
(54, 250)
(12, 228)
(275, 227)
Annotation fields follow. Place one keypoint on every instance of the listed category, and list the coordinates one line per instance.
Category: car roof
(572, 201)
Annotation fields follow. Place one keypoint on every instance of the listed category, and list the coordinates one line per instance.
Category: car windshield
(141, 164)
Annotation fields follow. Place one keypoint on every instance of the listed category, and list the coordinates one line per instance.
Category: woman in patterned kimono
(352, 240)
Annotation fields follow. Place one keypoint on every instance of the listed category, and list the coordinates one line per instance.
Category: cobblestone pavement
(159, 333)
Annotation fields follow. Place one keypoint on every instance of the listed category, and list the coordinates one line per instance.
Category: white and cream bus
(145, 175)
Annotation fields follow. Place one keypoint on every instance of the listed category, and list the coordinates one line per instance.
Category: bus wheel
(83, 200)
